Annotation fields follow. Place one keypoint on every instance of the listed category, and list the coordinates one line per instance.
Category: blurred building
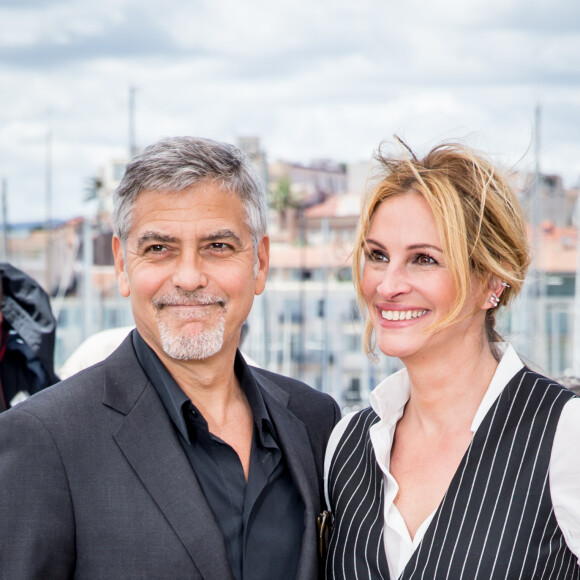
(546, 198)
(307, 324)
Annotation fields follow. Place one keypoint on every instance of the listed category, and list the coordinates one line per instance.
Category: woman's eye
(425, 259)
(377, 256)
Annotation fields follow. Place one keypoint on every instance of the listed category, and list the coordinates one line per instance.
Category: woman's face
(407, 285)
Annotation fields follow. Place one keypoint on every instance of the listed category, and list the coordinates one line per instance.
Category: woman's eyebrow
(369, 241)
(425, 246)
(412, 247)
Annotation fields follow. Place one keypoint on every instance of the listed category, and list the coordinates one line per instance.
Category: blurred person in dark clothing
(27, 339)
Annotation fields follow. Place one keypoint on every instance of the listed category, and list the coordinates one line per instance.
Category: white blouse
(388, 400)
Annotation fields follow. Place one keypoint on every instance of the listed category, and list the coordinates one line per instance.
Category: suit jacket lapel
(149, 442)
(293, 438)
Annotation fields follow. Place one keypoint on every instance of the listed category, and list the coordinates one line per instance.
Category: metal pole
(48, 201)
(325, 307)
(555, 340)
(132, 140)
(537, 326)
(87, 277)
(576, 350)
(302, 354)
(5, 249)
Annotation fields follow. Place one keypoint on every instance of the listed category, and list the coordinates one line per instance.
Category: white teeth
(402, 314)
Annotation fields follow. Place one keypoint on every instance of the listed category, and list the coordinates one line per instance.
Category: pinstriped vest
(496, 521)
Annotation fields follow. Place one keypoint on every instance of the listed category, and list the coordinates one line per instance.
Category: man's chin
(186, 347)
(186, 354)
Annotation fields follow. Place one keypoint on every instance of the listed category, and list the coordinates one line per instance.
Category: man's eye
(220, 247)
(156, 248)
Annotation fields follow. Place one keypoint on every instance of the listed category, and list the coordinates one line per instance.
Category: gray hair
(178, 163)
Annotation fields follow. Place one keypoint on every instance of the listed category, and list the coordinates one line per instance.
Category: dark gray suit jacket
(95, 484)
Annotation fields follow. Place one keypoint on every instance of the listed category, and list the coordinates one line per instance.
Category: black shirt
(262, 521)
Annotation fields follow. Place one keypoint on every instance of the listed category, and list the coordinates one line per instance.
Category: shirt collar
(176, 402)
(256, 401)
(507, 368)
(390, 396)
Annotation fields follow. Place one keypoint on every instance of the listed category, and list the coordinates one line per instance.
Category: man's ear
(120, 271)
(263, 264)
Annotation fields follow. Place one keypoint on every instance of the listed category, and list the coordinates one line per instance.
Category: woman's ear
(495, 287)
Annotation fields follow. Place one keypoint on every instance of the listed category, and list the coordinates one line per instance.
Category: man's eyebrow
(155, 237)
(222, 235)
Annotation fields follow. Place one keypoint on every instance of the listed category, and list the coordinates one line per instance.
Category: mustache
(184, 298)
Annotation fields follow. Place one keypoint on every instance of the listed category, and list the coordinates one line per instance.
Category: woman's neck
(446, 390)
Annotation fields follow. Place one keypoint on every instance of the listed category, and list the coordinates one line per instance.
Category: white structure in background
(93, 349)
(306, 324)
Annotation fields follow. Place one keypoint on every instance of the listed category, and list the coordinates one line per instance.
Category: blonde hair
(478, 217)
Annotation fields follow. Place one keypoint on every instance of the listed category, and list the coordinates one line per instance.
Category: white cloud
(312, 79)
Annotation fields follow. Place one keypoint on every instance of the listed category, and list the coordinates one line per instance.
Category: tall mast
(132, 139)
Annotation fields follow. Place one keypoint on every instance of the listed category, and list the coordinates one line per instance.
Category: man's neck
(216, 392)
(212, 379)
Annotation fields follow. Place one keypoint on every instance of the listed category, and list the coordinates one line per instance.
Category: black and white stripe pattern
(496, 521)
(356, 493)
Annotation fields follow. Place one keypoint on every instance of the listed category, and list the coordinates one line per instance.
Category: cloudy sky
(312, 78)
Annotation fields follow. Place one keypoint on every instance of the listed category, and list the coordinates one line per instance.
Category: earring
(494, 300)
(505, 285)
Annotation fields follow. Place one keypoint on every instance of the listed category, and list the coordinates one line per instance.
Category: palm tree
(282, 199)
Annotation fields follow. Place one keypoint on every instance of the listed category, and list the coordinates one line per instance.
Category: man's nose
(189, 272)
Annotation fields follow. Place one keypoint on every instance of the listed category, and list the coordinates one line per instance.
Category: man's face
(190, 270)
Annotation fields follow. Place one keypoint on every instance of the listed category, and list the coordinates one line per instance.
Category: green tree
(93, 186)
(282, 199)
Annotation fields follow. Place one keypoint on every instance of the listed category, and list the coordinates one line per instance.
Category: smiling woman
(408, 286)
(446, 473)
(473, 215)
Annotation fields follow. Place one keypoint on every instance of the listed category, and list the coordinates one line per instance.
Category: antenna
(48, 202)
(132, 141)
(5, 251)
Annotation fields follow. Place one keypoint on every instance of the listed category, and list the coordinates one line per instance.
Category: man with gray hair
(172, 458)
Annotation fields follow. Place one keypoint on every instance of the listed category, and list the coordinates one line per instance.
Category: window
(352, 392)
(352, 343)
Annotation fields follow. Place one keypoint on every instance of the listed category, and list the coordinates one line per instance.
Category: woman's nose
(395, 281)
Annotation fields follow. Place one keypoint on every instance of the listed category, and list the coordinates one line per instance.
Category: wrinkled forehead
(168, 198)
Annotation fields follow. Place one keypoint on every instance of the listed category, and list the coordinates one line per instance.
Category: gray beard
(196, 346)
(192, 347)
